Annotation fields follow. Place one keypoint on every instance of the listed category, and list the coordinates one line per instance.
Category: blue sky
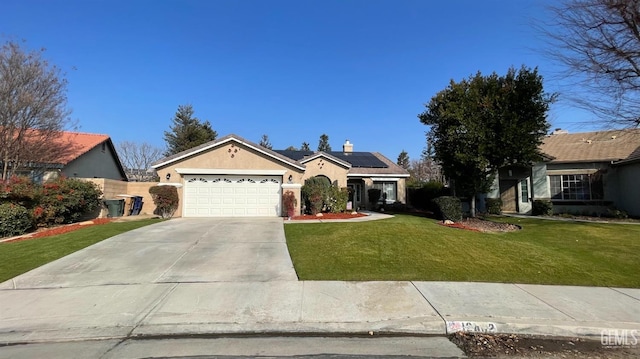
(354, 69)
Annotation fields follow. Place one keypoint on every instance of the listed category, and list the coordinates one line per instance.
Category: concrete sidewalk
(434, 308)
(205, 277)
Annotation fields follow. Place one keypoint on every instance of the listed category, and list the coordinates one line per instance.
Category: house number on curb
(472, 327)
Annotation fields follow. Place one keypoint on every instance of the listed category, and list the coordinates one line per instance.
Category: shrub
(542, 208)
(65, 200)
(290, 202)
(166, 200)
(449, 208)
(19, 190)
(337, 199)
(14, 220)
(616, 213)
(315, 192)
(422, 197)
(374, 197)
(494, 205)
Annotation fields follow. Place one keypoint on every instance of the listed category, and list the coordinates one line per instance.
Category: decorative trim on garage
(220, 171)
(291, 185)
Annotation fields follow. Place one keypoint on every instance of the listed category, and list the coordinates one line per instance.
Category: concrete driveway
(179, 250)
(225, 276)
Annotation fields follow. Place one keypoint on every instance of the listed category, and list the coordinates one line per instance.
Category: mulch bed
(484, 345)
(481, 225)
(328, 216)
(52, 231)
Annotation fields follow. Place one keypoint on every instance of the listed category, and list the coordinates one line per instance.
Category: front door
(508, 195)
(355, 195)
(524, 189)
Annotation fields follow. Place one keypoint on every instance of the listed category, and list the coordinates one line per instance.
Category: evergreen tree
(484, 123)
(305, 147)
(264, 142)
(323, 144)
(187, 131)
(403, 160)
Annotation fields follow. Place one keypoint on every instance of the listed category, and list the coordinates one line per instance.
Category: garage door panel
(211, 196)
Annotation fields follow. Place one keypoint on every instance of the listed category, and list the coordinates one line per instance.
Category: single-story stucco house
(82, 155)
(232, 176)
(582, 173)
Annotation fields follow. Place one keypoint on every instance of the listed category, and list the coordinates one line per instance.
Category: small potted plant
(290, 202)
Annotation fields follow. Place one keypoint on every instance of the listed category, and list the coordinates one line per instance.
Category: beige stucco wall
(228, 156)
(113, 189)
(325, 167)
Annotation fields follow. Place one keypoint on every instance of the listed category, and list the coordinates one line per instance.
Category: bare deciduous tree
(598, 42)
(33, 110)
(137, 159)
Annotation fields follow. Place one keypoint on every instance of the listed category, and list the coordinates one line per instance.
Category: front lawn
(20, 257)
(415, 248)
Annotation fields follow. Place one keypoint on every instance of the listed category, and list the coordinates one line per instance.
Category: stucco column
(295, 188)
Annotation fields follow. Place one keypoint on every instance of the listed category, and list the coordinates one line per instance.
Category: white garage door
(231, 196)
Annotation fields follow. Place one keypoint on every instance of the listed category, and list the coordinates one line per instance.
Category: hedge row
(26, 205)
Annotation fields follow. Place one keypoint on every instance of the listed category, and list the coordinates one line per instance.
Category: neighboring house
(231, 176)
(583, 173)
(87, 155)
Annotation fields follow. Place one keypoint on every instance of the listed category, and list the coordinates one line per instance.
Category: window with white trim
(577, 187)
(388, 188)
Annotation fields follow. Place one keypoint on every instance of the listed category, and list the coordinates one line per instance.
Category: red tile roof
(79, 143)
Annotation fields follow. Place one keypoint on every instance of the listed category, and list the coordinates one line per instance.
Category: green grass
(414, 248)
(20, 257)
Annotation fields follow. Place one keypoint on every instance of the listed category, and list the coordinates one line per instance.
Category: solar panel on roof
(360, 159)
(356, 159)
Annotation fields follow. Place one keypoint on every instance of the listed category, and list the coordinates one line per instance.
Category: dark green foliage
(616, 213)
(305, 147)
(403, 160)
(19, 190)
(63, 200)
(187, 131)
(494, 205)
(449, 208)
(166, 200)
(66, 200)
(483, 123)
(542, 208)
(323, 143)
(422, 197)
(314, 192)
(264, 142)
(14, 220)
(374, 197)
(337, 199)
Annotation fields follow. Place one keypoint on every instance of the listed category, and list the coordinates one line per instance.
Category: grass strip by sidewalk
(415, 248)
(20, 257)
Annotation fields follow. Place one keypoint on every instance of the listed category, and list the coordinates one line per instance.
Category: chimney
(347, 147)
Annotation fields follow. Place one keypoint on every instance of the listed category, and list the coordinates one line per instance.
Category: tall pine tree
(187, 131)
(323, 144)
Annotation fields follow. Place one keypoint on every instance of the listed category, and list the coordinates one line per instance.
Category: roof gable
(326, 156)
(79, 144)
(218, 142)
